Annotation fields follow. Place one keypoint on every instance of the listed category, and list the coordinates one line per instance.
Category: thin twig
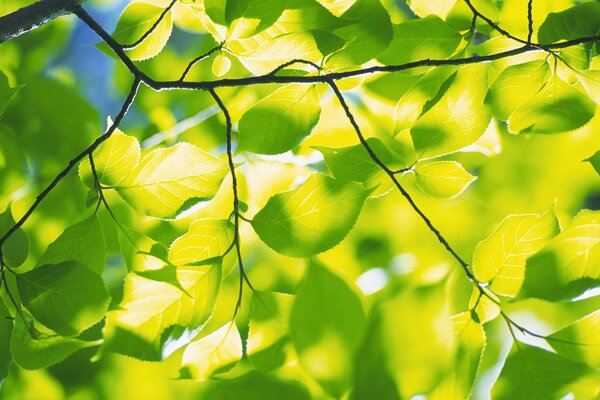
(152, 28)
(529, 21)
(198, 59)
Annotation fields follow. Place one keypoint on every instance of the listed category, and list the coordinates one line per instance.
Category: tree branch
(33, 16)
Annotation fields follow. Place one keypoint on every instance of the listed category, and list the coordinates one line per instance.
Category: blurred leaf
(423, 8)
(326, 340)
(83, 242)
(6, 92)
(557, 108)
(312, 218)
(500, 258)
(281, 120)
(443, 178)
(169, 297)
(533, 373)
(579, 341)
(36, 353)
(570, 264)
(68, 297)
(515, 86)
(595, 161)
(16, 247)
(256, 385)
(417, 39)
(246, 17)
(6, 329)
(167, 179)
(582, 20)
(217, 352)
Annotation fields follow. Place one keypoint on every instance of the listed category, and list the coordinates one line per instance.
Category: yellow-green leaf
(423, 8)
(443, 178)
(579, 341)
(16, 247)
(500, 258)
(221, 65)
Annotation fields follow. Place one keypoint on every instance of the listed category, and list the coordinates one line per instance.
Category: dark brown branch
(198, 59)
(152, 28)
(529, 21)
(33, 16)
(75, 161)
(494, 26)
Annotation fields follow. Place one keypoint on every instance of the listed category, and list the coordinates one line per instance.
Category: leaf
(458, 382)
(36, 353)
(67, 297)
(443, 178)
(418, 39)
(500, 258)
(268, 330)
(337, 7)
(214, 353)
(137, 19)
(533, 373)
(6, 92)
(570, 263)
(579, 341)
(16, 247)
(354, 163)
(255, 385)
(167, 298)
(167, 179)
(327, 340)
(6, 329)
(82, 242)
(280, 121)
(557, 108)
(516, 85)
(312, 218)
(582, 20)
(221, 65)
(458, 119)
(595, 161)
(247, 17)
(113, 159)
(423, 8)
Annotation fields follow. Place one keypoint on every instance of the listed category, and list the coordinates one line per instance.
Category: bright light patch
(372, 281)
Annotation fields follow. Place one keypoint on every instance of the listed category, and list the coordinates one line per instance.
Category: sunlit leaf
(580, 21)
(181, 297)
(579, 341)
(458, 119)
(557, 108)
(67, 297)
(327, 340)
(312, 218)
(34, 353)
(443, 178)
(83, 242)
(417, 39)
(166, 180)
(423, 8)
(246, 17)
(221, 65)
(530, 373)
(500, 258)
(570, 264)
(214, 353)
(281, 120)
(6, 328)
(16, 247)
(337, 7)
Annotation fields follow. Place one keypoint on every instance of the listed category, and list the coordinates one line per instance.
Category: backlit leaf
(579, 341)
(595, 161)
(16, 247)
(6, 328)
(443, 178)
(580, 21)
(312, 218)
(423, 8)
(246, 17)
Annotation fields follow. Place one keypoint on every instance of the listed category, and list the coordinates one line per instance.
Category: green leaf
(354, 163)
(82, 242)
(595, 161)
(221, 65)
(214, 353)
(312, 218)
(167, 179)
(515, 86)
(67, 297)
(500, 258)
(256, 385)
(205, 239)
(35, 353)
(280, 121)
(16, 247)
(458, 119)
(533, 373)
(113, 159)
(423, 8)
(579, 341)
(247, 17)
(470, 343)
(327, 333)
(443, 178)
(137, 18)
(6, 92)
(418, 39)
(570, 263)
(170, 297)
(557, 108)
(337, 7)
(580, 21)
(268, 329)
(6, 329)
